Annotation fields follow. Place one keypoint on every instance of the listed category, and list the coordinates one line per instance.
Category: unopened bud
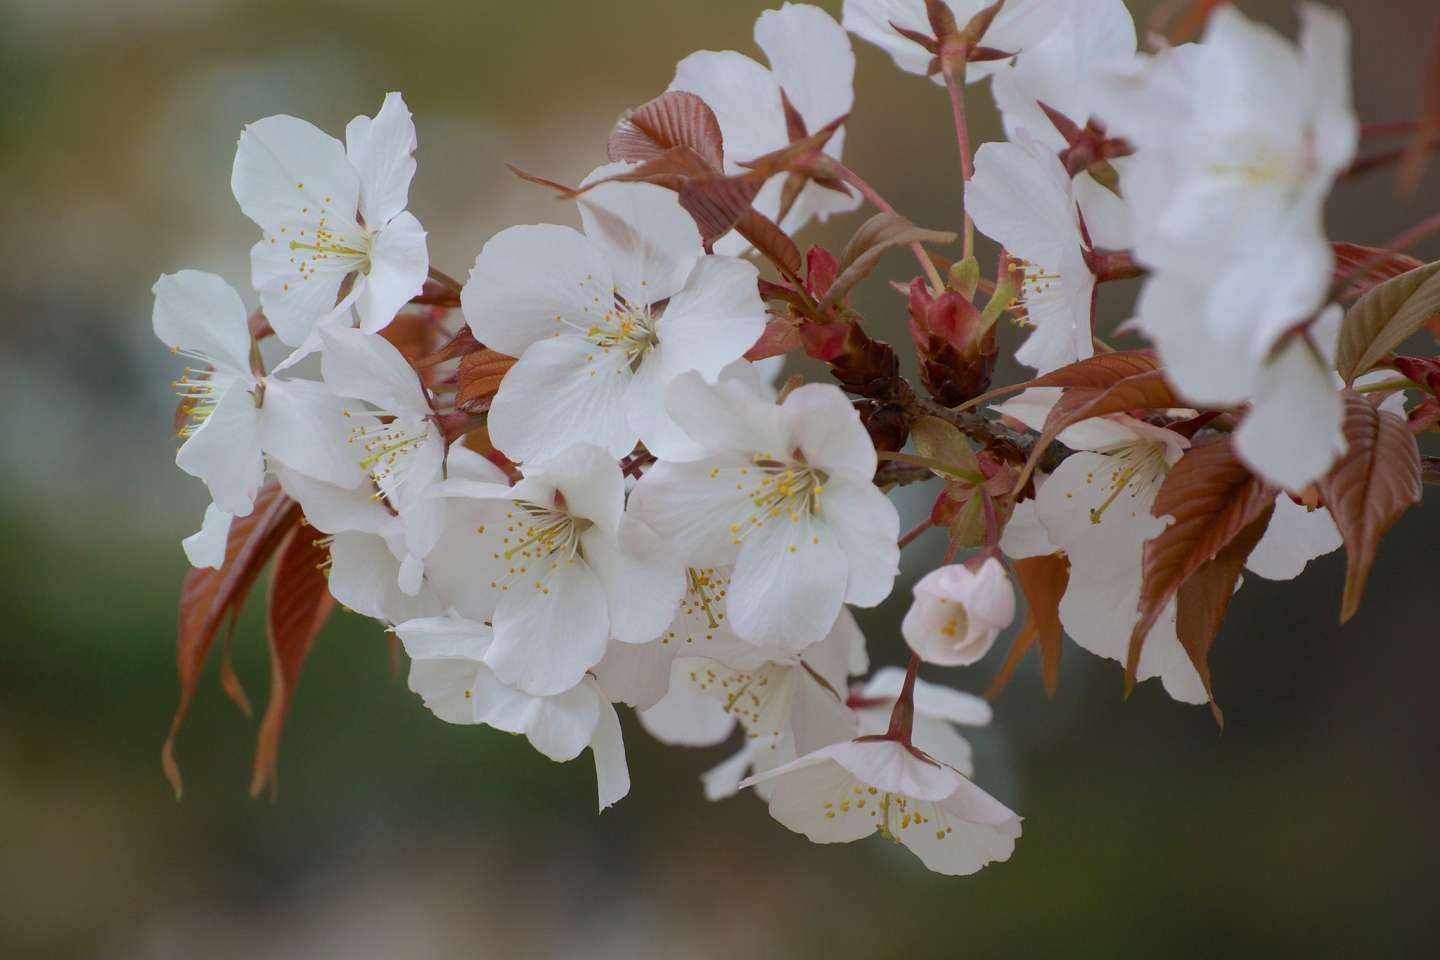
(958, 612)
(965, 277)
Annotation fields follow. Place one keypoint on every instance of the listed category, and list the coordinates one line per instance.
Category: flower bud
(958, 612)
(955, 348)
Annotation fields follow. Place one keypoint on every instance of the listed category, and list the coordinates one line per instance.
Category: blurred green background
(1306, 828)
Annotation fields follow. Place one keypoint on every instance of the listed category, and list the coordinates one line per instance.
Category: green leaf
(935, 439)
(1385, 317)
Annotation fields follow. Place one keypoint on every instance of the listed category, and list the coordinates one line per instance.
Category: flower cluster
(571, 482)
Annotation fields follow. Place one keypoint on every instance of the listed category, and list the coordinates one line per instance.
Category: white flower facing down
(938, 711)
(236, 417)
(850, 790)
(603, 321)
(554, 566)
(1096, 508)
(811, 61)
(449, 673)
(1019, 24)
(403, 452)
(784, 493)
(782, 702)
(958, 612)
(330, 210)
(1239, 139)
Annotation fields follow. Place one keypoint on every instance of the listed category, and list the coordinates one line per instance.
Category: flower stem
(445, 280)
(871, 194)
(913, 534)
(1406, 239)
(955, 87)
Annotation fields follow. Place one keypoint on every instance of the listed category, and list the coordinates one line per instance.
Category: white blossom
(329, 211)
(1019, 24)
(938, 711)
(958, 612)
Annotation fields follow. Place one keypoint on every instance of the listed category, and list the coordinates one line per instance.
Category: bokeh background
(1307, 828)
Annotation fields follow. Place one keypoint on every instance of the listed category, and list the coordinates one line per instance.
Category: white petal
(370, 368)
(715, 318)
(822, 423)
(225, 451)
(1296, 536)
(887, 765)
(723, 779)
(745, 98)
(952, 843)
(817, 717)
(811, 59)
(732, 415)
(1325, 42)
(612, 774)
(364, 576)
(383, 152)
(545, 641)
(284, 165)
(296, 304)
(865, 522)
(564, 724)
(643, 583)
(206, 547)
(693, 510)
(334, 509)
(941, 741)
(303, 426)
(447, 687)
(448, 636)
(201, 313)
(806, 798)
(399, 263)
(685, 717)
(875, 20)
(1020, 198)
(563, 391)
(788, 584)
(1025, 535)
(531, 281)
(650, 242)
(589, 480)
(1292, 433)
(636, 673)
(462, 463)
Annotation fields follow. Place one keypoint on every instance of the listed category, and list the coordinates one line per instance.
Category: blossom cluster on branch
(571, 482)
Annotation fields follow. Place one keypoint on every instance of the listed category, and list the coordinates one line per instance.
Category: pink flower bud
(958, 612)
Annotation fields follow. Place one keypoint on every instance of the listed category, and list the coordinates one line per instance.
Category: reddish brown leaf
(1212, 496)
(1099, 372)
(1360, 268)
(539, 181)
(415, 333)
(767, 237)
(1385, 317)
(1202, 600)
(1376, 481)
(1143, 391)
(674, 119)
(781, 336)
(297, 607)
(459, 345)
(1043, 581)
(865, 247)
(208, 596)
(716, 203)
(479, 378)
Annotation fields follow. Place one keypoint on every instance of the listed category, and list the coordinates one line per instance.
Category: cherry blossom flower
(552, 565)
(206, 546)
(238, 417)
(1019, 24)
(603, 321)
(938, 711)
(329, 211)
(780, 701)
(404, 452)
(1022, 198)
(1239, 139)
(449, 672)
(811, 61)
(1096, 507)
(959, 611)
(850, 790)
(783, 493)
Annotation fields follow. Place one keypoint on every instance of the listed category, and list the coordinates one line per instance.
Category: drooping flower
(1096, 508)
(958, 612)
(784, 493)
(449, 672)
(1018, 25)
(329, 211)
(783, 702)
(850, 790)
(1238, 141)
(551, 563)
(811, 61)
(603, 321)
(397, 442)
(938, 711)
(237, 416)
